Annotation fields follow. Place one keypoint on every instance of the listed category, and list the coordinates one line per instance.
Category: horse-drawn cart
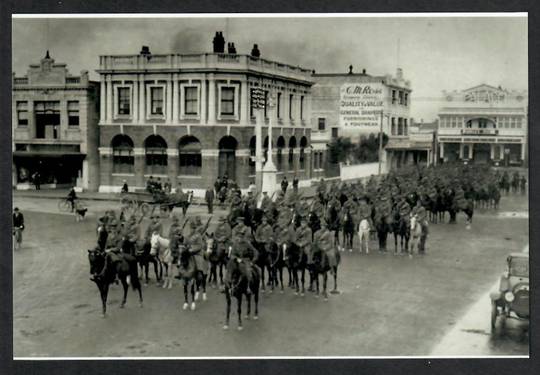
(143, 202)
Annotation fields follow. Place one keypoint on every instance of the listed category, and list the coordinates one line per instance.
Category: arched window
(189, 156)
(122, 149)
(302, 158)
(227, 157)
(252, 154)
(292, 146)
(156, 155)
(280, 146)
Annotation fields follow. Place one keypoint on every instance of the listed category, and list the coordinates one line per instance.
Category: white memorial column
(491, 151)
(109, 99)
(471, 146)
(461, 150)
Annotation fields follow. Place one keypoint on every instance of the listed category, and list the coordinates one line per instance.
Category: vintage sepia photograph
(270, 185)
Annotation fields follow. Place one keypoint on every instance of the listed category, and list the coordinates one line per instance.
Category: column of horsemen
(289, 230)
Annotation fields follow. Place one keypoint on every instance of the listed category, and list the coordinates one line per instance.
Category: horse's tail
(134, 275)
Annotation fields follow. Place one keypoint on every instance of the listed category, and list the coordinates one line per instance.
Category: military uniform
(196, 246)
(265, 202)
(131, 235)
(240, 227)
(222, 235)
(303, 239)
(264, 235)
(324, 241)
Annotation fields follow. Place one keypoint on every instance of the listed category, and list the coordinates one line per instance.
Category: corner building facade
(54, 127)
(190, 119)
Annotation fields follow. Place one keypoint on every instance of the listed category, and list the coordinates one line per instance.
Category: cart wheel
(145, 208)
(494, 314)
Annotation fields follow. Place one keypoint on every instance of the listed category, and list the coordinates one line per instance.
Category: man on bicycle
(18, 227)
(71, 198)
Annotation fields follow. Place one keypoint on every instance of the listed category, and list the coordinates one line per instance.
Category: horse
(468, 210)
(348, 228)
(265, 260)
(277, 263)
(321, 266)
(415, 235)
(383, 228)
(127, 266)
(333, 224)
(217, 256)
(159, 247)
(191, 276)
(296, 261)
(400, 228)
(144, 258)
(238, 285)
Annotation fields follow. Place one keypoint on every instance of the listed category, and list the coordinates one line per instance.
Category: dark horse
(189, 273)
(217, 256)
(400, 228)
(127, 266)
(145, 258)
(321, 266)
(383, 228)
(238, 285)
(333, 223)
(296, 261)
(349, 228)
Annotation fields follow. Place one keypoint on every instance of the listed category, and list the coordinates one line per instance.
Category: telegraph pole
(380, 144)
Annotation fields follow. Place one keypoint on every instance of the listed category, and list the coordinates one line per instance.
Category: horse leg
(125, 286)
(203, 287)
(295, 278)
(248, 298)
(193, 282)
(228, 310)
(256, 299)
(325, 279)
(335, 280)
(239, 310)
(186, 304)
(281, 278)
(262, 278)
(103, 291)
(166, 280)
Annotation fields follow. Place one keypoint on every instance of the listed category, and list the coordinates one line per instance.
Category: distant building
(190, 118)
(356, 105)
(418, 147)
(484, 124)
(54, 127)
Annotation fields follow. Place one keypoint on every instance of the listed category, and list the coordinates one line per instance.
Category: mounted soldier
(196, 245)
(242, 253)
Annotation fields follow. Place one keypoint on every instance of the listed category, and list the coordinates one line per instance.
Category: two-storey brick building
(54, 127)
(189, 118)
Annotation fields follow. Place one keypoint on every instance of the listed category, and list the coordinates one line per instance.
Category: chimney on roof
(231, 48)
(219, 42)
(145, 50)
(399, 73)
(363, 71)
(47, 55)
(350, 69)
(255, 51)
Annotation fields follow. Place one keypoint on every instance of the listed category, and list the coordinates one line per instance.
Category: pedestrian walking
(36, 178)
(18, 227)
(125, 187)
(284, 184)
(209, 198)
(295, 184)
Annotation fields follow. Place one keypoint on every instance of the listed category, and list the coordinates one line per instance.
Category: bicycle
(64, 205)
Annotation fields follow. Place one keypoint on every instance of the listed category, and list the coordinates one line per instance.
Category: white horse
(416, 233)
(160, 247)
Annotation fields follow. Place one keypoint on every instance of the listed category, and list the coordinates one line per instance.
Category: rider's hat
(222, 218)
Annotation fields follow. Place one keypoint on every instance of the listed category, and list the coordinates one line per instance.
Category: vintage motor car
(512, 298)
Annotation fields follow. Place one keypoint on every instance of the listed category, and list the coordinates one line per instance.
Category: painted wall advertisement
(360, 106)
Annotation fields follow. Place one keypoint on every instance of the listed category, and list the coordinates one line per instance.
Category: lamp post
(381, 141)
(269, 170)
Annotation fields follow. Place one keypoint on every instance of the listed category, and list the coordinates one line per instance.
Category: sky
(435, 53)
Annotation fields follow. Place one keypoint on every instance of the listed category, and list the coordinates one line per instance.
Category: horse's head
(155, 243)
(210, 243)
(96, 258)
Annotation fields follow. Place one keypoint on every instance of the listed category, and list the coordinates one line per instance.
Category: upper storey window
(124, 102)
